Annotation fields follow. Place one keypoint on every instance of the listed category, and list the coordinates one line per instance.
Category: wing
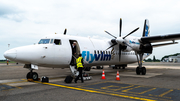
(161, 38)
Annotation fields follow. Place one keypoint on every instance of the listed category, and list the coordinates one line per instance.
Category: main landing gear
(32, 75)
(140, 69)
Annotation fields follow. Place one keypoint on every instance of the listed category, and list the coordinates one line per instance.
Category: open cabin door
(75, 51)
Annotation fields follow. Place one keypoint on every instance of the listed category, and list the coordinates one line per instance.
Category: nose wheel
(32, 75)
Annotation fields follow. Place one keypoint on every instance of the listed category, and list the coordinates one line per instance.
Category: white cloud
(23, 22)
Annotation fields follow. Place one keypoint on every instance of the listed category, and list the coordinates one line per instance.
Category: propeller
(120, 27)
(131, 32)
(114, 40)
(65, 31)
(110, 34)
(119, 39)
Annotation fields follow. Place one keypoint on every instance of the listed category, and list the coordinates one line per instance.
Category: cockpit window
(52, 41)
(57, 41)
(44, 41)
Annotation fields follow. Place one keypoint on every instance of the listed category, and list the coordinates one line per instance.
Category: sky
(24, 22)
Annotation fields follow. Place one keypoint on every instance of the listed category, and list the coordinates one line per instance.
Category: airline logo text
(97, 57)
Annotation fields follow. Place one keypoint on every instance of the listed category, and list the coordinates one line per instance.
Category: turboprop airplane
(55, 51)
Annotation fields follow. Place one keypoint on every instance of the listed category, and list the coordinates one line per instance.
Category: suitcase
(68, 79)
(45, 79)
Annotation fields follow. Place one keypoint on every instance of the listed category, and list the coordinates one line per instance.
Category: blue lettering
(107, 57)
(102, 56)
(96, 57)
(83, 54)
(92, 58)
(87, 59)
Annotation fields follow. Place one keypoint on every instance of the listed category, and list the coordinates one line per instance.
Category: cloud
(24, 22)
(11, 12)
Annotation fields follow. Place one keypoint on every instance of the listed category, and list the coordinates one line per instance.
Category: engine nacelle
(146, 48)
(126, 48)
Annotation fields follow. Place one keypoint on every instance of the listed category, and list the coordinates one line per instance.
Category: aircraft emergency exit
(55, 51)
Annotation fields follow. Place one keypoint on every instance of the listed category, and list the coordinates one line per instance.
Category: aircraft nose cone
(10, 54)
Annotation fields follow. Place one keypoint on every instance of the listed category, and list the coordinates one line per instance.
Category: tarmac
(161, 83)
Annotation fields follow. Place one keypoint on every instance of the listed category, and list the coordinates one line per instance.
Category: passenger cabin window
(44, 41)
(57, 41)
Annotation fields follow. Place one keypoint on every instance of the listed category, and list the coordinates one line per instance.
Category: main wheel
(116, 67)
(143, 71)
(98, 67)
(101, 67)
(88, 69)
(138, 71)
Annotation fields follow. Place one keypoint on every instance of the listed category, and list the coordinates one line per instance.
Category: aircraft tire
(123, 67)
(116, 67)
(98, 67)
(88, 68)
(143, 71)
(138, 71)
(28, 76)
(34, 76)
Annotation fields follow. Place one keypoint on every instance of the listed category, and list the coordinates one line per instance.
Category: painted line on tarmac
(17, 83)
(7, 87)
(132, 74)
(141, 91)
(94, 91)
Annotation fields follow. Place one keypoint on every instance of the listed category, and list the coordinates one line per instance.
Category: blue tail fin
(146, 30)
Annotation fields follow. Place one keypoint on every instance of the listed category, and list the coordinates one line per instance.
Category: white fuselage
(51, 55)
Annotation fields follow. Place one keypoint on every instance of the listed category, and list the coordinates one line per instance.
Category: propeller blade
(119, 52)
(65, 31)
(120, 27)
(110, 34)
(111, 46)
(131, 32)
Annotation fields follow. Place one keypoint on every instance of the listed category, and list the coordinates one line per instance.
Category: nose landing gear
(32, 75)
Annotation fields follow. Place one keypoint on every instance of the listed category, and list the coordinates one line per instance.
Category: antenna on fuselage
(65, 31)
